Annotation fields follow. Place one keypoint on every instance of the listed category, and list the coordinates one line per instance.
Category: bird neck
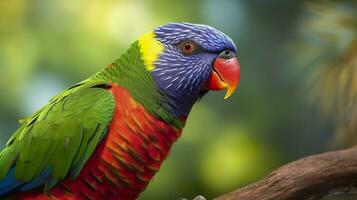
(181, 104)
(129, 72)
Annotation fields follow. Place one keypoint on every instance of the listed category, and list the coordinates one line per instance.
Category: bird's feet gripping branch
(106, 137)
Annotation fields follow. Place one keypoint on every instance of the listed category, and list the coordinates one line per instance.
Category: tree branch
(310, 178)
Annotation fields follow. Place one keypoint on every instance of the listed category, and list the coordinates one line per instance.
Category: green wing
(61, 136)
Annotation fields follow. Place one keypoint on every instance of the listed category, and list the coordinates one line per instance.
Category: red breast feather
(125, 161)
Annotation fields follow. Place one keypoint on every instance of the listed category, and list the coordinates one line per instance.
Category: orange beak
(225, 75)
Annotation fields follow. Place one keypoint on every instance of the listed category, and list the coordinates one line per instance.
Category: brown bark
(310, 178)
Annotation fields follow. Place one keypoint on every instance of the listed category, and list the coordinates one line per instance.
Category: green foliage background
(45, 46)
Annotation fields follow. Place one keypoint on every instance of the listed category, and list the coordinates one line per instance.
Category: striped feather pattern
(124, 163)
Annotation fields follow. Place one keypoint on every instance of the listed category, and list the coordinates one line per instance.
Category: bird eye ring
(188, 47)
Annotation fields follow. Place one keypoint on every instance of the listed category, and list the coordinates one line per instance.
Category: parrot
(107, 136)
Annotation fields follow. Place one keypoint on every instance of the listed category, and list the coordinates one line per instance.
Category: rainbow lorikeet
(106, 137)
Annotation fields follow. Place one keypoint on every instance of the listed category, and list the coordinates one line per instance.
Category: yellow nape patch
(150, 50)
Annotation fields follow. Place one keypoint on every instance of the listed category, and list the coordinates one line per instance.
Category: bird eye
(188, 47)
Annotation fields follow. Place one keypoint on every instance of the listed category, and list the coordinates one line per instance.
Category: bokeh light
(46, 46)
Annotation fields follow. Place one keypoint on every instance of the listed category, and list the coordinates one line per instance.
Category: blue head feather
(181, 77)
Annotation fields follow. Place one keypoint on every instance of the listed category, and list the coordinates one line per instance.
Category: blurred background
(298, 84)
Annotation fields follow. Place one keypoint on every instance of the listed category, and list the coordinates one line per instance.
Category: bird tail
(9, 183)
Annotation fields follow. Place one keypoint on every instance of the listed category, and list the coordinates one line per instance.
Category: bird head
(187, 60)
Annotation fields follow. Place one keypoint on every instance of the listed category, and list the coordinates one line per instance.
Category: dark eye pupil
(187, 47)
